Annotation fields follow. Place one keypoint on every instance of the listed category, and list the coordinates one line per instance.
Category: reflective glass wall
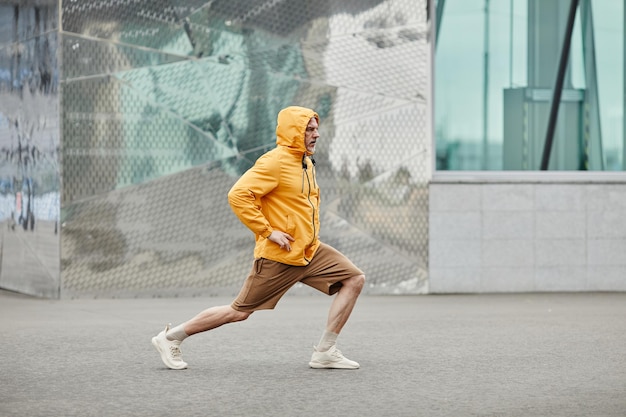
(29, 147)
(166, 103)
(497, 70)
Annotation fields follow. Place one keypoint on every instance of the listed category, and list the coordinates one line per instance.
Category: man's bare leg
(344, 302)
(326, 355)
(214, 317)
(167, 343)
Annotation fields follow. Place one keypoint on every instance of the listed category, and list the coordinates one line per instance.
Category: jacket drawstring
(312, 206)
(303, 172)
(314, 180)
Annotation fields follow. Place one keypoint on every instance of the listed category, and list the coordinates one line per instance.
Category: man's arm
(245, 196)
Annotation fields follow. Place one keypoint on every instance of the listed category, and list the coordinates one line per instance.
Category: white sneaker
(169, 350)
(331, 359)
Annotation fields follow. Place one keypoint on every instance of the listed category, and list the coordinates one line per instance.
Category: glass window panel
(495, 70)
(608, 21)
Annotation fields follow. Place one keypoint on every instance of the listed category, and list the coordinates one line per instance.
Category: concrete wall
(524, 232)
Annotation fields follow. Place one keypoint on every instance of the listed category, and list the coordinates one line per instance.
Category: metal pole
(439, 15)
(624, 92)
(485, 164)
(430, 108)
(558, 87)
(511, 8)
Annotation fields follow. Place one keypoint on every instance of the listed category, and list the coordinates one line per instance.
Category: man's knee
(355, 283)
(237, 315)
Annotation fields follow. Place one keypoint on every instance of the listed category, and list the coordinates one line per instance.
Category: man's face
(311, 135)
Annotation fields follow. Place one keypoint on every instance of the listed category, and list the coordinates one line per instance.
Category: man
(278, 200)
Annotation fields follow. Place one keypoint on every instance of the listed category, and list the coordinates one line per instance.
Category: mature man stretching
(278, 199)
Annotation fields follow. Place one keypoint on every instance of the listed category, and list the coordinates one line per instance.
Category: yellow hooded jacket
(280, 192)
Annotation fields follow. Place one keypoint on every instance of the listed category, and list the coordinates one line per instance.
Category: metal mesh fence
(166, 103)
(29, 147)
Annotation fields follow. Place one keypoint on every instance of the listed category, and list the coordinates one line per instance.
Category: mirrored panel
(166, 104)
(29, 146)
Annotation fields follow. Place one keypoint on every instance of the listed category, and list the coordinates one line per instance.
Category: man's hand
(282, 239)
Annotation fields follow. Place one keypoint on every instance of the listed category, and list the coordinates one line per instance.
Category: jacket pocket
(291, 227)
(258, 266)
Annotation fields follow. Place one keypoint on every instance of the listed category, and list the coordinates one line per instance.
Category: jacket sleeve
(245, 196)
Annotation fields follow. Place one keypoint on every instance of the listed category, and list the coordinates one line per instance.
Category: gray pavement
(456, 355)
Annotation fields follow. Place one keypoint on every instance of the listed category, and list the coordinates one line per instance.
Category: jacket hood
(291, 127)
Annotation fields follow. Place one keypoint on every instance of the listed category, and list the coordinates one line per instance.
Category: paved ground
(472, 355)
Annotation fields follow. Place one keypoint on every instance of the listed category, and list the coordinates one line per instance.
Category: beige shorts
(270, 280)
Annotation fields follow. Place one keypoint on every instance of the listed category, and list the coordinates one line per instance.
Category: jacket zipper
(305, 172)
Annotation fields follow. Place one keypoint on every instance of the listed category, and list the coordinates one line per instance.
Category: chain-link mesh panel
(22, 21)
(29, 144)
(83, 57)
(171, 236)
(154, 24)
(157, 128)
